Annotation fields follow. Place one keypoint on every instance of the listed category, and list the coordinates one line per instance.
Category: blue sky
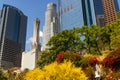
(33, 9)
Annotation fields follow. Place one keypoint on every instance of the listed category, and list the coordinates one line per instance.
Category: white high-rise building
(29, 59)
(51, 24)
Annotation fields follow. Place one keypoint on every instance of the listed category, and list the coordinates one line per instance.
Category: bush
(112, 60)
(57, 71)
(69, 55)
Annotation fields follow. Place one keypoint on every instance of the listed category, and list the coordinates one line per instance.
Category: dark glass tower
(13, 24)
(98, 7)
(116, 5)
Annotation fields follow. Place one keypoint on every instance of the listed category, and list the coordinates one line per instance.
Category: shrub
(93, 61)
(108, 62)
(57, 71)
(90, 73)
(112, 60)
(116, 76)
(69, 55)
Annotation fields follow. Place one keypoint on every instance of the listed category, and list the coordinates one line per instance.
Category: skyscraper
(98, 6)
(109, 11)
(116, 5)
(13, 26)
(51, 23)
(99, 10)
(76, 13)
(100, 20)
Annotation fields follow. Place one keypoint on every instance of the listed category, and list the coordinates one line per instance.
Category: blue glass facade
(76, 13)
(116, 5)
(98, 7)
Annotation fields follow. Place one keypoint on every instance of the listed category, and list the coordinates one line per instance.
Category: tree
(94, 37)
(115, 34)
(65, 40)
(3, 75)
(85, 32)
(46, 57)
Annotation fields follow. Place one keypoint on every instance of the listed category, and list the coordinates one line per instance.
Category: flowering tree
(69, 55)
(57, 71)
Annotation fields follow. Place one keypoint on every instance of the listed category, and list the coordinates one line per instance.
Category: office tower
(99, 12)
(51, 23)
(0, 16)
(29, 59)
(0, 11)
(116, 5)
(98, 6)
(109, 11)
(100, 20)
(13, 26)
(76, 13)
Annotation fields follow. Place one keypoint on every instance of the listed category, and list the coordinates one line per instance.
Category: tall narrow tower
(51, 23)
(35, 42)
(30, 58)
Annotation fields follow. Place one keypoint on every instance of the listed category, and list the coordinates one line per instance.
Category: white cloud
(40, 34)
(29, 40)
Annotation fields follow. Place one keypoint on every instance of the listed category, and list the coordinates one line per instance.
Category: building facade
(13, 25)
(76, 13)
(100, 20)
(29, 59)
(109, 11)
(100, 10)
(116, 5)
(51, 26)
(98, 6)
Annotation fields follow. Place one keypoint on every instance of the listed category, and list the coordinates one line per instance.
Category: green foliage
(65, 40)
(55, 71)
(3, 75)
(84, 62)
(46, 57)
(90, 72)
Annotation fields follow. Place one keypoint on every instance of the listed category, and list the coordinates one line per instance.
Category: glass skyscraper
(98, 7)
(13, 25)
(76, 13)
